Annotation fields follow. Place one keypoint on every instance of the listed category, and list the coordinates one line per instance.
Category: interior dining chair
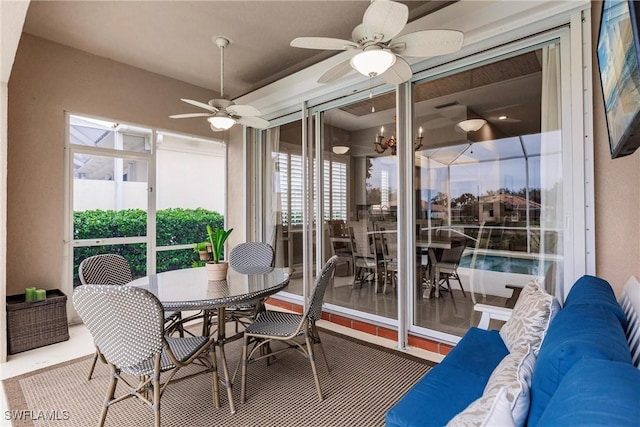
(114, 269)
(342, 244)
(446, 268)
(249, 258)
(389, 248)
(127, 325)
(277, 326)
(368, 259)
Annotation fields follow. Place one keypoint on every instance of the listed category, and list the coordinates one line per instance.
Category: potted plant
(217, 270)
(202, 249)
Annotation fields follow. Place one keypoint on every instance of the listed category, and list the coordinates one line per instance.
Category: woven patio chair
(249, 258)
(113, 269)
(276, 326)
(127, 325)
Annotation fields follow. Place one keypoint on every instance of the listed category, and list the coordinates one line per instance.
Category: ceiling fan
(222, 113)
(374, 50)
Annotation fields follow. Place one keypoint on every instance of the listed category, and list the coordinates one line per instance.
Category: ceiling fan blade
(324, 43)
(243, 110)
(336, 72)
(399, 72)
(383, 20)
(428, 43)
(189, 115)
(254, 122)
(199, 104)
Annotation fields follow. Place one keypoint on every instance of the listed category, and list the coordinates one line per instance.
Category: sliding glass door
(488, 175)
(482, 204)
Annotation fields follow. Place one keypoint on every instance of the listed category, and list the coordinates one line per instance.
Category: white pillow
(530, 319)
(509, 381)
(514, 372)
(500, 412)
(487, 411)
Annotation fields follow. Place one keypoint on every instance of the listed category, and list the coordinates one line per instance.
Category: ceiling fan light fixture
(221, 121)
(472, 125)
(340, 149)
(372, 62)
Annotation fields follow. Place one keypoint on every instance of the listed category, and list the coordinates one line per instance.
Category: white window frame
(150, 238)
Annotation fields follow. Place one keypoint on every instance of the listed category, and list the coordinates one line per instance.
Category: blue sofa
(583, 374)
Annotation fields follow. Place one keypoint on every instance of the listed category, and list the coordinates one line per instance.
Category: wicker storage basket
(36, 324)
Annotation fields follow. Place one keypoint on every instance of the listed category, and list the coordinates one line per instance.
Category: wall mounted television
(619, 66)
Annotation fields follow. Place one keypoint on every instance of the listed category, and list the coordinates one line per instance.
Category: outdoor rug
(363, 383)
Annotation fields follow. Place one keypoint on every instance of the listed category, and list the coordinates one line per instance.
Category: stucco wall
(617, 193)
(48, 79)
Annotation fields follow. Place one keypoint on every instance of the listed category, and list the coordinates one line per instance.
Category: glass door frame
(577, 168)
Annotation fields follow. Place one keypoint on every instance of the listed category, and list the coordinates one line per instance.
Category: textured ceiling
(174, 38)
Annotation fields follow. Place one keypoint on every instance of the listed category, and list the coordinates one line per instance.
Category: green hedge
(175, 226)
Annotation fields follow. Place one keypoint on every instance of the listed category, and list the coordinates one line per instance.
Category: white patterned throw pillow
(530, 318)
(508, 386)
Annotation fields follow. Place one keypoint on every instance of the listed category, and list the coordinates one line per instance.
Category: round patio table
(189, 289)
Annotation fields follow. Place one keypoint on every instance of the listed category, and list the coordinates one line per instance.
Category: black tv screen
(619, 66)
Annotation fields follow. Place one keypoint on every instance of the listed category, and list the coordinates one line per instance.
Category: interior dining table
(190, 290)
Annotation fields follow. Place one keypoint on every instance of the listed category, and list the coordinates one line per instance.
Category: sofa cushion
(440, 394)
(453, 384)
(512, 374)
(593, 290)
(479, 351)
(530, 319)
(578, 331)
(596, 392)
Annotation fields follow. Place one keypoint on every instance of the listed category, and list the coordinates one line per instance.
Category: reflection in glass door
(488, 187)
(360, 205)
(485, 191)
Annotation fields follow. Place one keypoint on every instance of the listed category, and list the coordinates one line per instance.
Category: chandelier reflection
(381, 145)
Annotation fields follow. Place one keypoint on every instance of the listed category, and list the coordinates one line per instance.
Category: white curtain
(272, 201)
(551, 164)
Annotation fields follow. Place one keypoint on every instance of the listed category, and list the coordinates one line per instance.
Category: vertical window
(191, 176)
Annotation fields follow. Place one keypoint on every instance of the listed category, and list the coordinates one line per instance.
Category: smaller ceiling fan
(223, 113)
(375, 51)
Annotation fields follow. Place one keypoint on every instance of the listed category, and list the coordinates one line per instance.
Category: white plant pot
(217, 271)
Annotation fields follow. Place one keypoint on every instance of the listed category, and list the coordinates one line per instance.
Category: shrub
(174, 226)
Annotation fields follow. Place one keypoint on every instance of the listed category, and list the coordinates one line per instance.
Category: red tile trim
(387, 333)
(369, 328)
(423, 343)
(364, 327)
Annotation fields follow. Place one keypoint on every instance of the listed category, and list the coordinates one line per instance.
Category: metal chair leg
(93, 364)
(313, 366)
(316, 340)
